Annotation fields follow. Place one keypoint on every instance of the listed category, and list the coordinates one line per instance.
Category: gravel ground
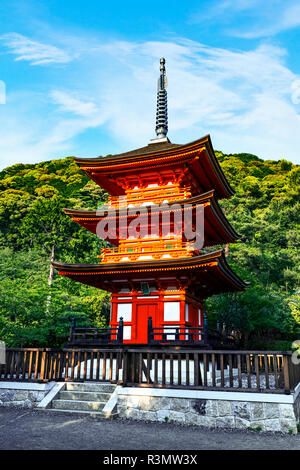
(45, 430)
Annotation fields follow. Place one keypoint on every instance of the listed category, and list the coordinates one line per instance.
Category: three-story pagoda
(159, 264)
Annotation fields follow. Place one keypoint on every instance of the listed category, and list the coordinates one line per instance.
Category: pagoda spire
(161, 128)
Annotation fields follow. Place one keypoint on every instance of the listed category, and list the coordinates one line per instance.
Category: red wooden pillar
(134, 317)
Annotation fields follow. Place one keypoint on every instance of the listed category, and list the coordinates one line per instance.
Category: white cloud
(296, 92)
(247, 100)
(287, 18)
(255, 18)
(2, 92)
(32, 51)
(73, 105)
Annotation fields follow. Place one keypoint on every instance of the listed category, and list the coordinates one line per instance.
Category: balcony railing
(155, 196)
(133, 251)
(85, 337)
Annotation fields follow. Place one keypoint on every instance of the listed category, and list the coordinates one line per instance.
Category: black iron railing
(180, 335)
(95, 336)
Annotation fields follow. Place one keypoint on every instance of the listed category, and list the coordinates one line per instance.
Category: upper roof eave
(156, 150)
(147, 151)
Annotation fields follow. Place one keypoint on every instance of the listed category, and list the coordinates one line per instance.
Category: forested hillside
(36, 305)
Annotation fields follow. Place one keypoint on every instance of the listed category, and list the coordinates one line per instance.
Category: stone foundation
(261, 411)
(297, 404)
(22, 395)
(217, 409)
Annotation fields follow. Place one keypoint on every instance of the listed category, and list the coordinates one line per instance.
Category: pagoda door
(143, 311)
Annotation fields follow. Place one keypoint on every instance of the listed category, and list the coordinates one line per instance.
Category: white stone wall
(297, 407)
(22, 395)
(210, 413)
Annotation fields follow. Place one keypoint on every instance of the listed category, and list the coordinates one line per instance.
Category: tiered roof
(217, 228)
(209, 274)
(192, 164)
(192, 170)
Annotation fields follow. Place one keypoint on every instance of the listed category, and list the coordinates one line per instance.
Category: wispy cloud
(71, 104)
(287, 18)
(251, 18)
(36, 53)
(213, 10)
(248, 101)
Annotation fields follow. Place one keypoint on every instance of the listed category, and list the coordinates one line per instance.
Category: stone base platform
(239, 410)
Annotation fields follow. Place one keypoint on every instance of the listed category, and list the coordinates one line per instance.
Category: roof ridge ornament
(161, 128)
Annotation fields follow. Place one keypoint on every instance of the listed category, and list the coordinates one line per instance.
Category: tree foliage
(264, 210)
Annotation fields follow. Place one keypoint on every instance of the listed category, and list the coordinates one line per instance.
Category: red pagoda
(160, 263)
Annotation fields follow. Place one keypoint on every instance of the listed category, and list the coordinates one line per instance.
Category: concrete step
(92, 414)
(99, 387)
(86, 396)
(80, 405)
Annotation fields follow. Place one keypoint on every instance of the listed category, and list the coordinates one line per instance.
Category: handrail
(84, 335)
(205, 369)
(156, 195)
(156, 249)
(145, 247)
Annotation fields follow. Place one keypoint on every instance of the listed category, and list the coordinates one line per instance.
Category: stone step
(84, 396)
(90, 387)
(80, 405)
(92, 414)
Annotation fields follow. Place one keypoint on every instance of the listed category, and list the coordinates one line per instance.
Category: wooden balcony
(157, 195)
(133, 251)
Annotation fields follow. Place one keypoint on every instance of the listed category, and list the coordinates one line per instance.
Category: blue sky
(80, 76)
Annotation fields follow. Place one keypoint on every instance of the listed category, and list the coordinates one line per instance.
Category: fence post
(205, 329)
(150, 331)
(120, 331)
(43, 366)
(73, 326)
(125, 366)
(286, 374)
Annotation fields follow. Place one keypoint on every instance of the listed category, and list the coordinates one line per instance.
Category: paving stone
(7, 395)
(288, 425)
(148, 415)
(257, 411)
(121, 411)
(241, 409)
(177, 416)
(272, 425)
(199, 406)
(132, 413)
(225, 422)
(224, 408)
(179, 404)
(212, 408)
(21, 395)
(286, 411)
(258, 424)
(241, 423)
(162, 415)
(191, 418)
(271, 410)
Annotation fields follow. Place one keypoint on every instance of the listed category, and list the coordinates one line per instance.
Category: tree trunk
(51, 272)
(227, 249)
(50, 279)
